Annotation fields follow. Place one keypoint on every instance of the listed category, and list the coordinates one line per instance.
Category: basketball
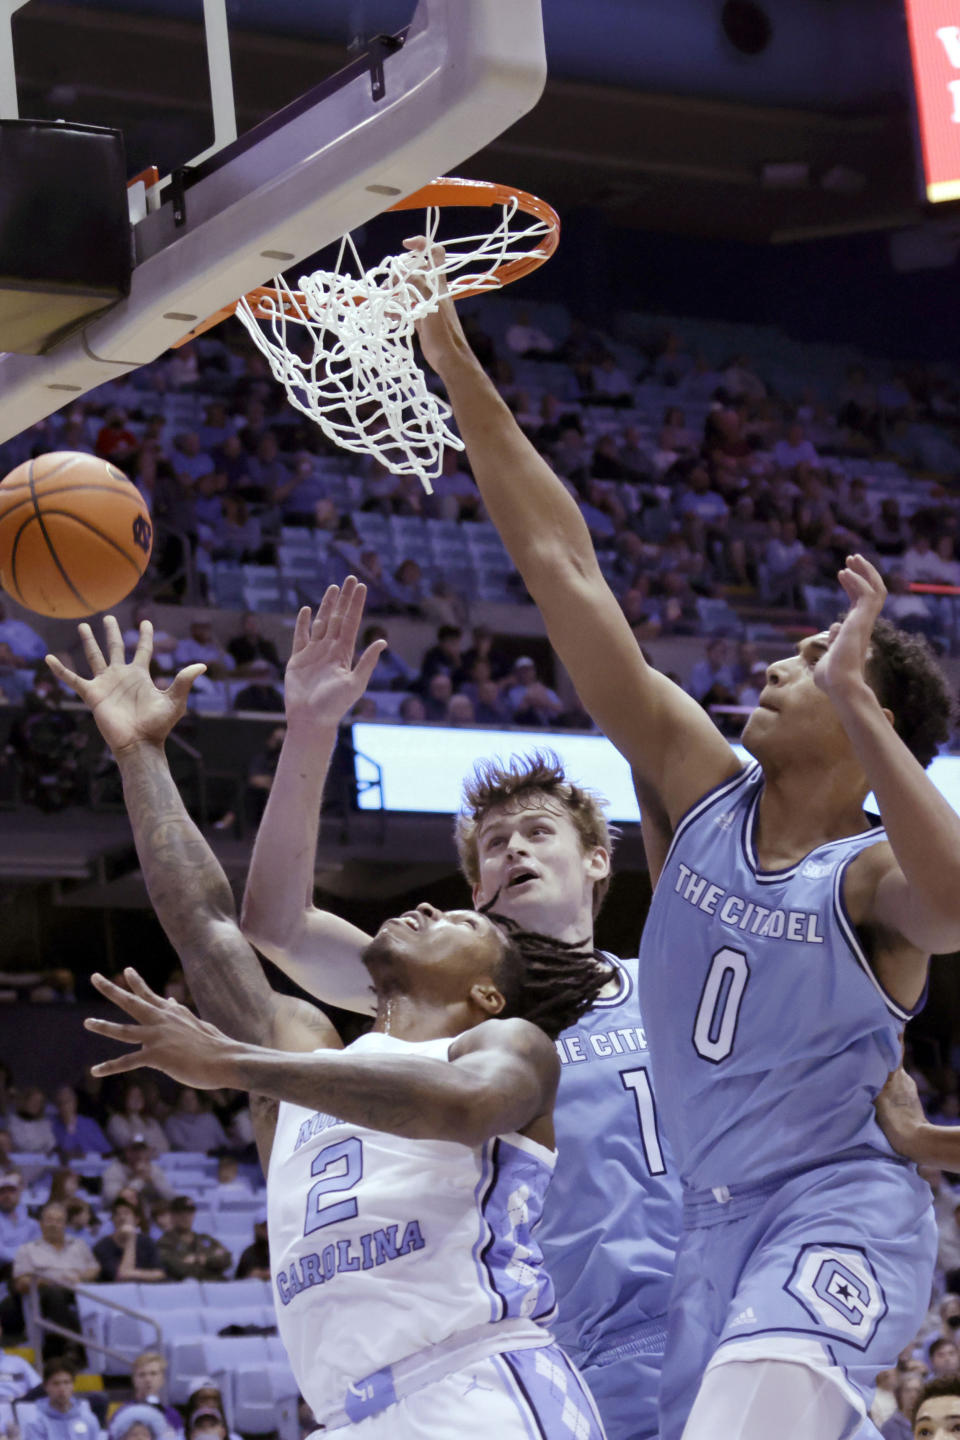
(75, 535)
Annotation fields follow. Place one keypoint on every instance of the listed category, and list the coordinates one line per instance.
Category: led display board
(934, 27)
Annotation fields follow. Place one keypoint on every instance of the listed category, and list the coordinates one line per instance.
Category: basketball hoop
(342, 344)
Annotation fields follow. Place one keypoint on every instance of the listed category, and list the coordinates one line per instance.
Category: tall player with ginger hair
(406, 1173)
(536, 848)
(786, 944)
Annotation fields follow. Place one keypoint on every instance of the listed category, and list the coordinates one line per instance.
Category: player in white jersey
(827, 731)
(537, 849)
(407, 1172)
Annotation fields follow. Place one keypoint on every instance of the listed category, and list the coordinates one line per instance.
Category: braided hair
(550, 982)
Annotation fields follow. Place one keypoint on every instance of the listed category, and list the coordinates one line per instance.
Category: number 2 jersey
(611, 1220)
(381, 1246)
(772, 1034)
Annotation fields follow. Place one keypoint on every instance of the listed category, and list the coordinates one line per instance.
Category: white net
(343, 348)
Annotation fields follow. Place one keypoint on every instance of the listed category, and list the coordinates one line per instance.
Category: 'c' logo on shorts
(838, 1288)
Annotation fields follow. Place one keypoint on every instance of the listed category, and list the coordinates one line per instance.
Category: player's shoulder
(515, 1036)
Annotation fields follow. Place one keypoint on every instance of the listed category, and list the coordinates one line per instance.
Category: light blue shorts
(830, 1267)
(624, 1380)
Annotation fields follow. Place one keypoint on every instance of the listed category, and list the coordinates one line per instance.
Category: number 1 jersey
(772, 1035)
(381, 1246)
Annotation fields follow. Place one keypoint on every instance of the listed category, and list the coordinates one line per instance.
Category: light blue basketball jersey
(773, 1035)
(611, 1218)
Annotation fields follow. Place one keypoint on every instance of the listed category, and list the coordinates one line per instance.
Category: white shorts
(532, 1394)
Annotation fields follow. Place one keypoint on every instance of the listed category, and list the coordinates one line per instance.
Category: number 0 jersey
(611, 1220)
(381, 1246)
(773, 1035)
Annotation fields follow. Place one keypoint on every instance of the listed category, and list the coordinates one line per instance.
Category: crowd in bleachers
(711, 483)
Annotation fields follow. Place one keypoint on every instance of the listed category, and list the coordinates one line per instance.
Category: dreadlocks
(549, 982)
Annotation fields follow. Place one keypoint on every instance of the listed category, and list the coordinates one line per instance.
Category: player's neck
(799, 811)
(406, 1018)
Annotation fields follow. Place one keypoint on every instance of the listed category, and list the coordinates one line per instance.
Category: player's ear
(598, 863)
(487, 997)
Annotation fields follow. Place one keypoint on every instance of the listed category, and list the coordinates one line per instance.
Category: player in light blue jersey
(788, 939)
(538, 849)
(612, 1218)
(406, 1173)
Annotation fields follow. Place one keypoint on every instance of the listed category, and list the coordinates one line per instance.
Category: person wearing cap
(60, 1415)
(138, 1422)
(255, 1261)
(184, 1253)
(137, 1170)
(16, 1226)
(529, 701)
(127, 1254)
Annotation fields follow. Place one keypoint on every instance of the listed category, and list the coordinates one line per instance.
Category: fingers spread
(324, 611)
(368, 661)
(114, 640)
(91, 649)
(129, 1034)
(135, 982)
(131, 1061)
(65, 676)
(180, 688)
(139, 1008)
(144, 650)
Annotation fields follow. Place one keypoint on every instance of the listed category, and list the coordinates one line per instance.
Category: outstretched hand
(171, 1038)
(844, 662)
(322, 683)
(127, 706)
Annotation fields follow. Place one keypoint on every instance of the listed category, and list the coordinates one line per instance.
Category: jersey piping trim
(777, 877)
(703, 804)
(543, 1153)
(849, 933)
(626, 985)
(515, 1387)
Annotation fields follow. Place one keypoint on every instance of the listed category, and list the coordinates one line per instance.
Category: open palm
(845, 659)
(321, 681)
(126, 704)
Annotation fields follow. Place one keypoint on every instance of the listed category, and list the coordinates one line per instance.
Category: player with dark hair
(535, 849)
(936, 1415)
(787, 941)
(406, 1172)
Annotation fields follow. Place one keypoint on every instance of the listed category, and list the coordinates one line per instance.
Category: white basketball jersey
(381, 1246)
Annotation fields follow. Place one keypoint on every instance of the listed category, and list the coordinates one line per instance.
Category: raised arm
(186, 884)
(674, 749)
(502, 1076)
(318, 950)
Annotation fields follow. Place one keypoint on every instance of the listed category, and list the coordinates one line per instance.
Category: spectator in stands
(261, 696)
(529, 701)
(149, 1383)
(795, 448)
(906, 610)
(14, 678)
(673, 363)
(716, 668)
(135, 1122)
(202, 645)
(73, 1133)
(907, 1389)
(610, 384)
(115, 440)
(55, 1263)
(412, 710)
(61, 1415)
(126, 1253)
(190, 462)
(437, 697)
(30, 1129)
(255, 1260)
(455, 496)
(920, 562)
(138, 1422)
(136, 1171)
(948, 567)
(230, 1183)
(64, 1185)
(47, 742)
(192, 1126)
(392, 672)
(445, 654)
(218, 426)
(82, 1224)
(184, 1253)
(944, 1358)
(239, 535)
(888, 533)
(740, 380)
(17, 1377)
(571, 455)
(16, 1225)
(460, 711)
(250, 645)
(25, 644)
(528, 340)
(232, 461)
(781, 559)
(409, 590)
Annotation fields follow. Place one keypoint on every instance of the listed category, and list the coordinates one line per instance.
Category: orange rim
(440, 194)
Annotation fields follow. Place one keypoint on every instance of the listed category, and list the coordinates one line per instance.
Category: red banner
(935, 45)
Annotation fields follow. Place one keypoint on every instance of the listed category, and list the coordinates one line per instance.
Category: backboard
(408, 106)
